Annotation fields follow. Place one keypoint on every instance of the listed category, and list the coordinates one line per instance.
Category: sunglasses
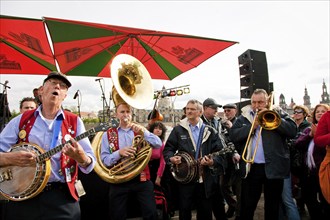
(298, 112)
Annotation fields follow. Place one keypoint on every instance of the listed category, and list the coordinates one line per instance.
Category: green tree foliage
(14, 114)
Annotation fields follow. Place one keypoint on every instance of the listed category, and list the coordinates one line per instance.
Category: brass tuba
(132, 85)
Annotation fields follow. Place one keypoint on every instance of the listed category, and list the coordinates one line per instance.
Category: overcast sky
(294, 35)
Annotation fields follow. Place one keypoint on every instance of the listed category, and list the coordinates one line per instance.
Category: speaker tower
(253, 74)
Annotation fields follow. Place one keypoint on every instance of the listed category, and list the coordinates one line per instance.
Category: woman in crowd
(314, 155)
(157, 163)
(157, 166)
(322, 138)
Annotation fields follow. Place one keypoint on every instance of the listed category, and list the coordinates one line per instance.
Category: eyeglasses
(54, 83)
(297, 112)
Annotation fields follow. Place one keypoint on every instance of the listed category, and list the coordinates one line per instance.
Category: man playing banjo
(41, 130)
(195, 142)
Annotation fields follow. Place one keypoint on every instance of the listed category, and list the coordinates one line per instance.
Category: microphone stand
(79, 107)
(104, 101)
(79, 103)
(110, 99)
(4, 105)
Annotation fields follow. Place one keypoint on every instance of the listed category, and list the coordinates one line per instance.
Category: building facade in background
(172, 116)
(306, 100)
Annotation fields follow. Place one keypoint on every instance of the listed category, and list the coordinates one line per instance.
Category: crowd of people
(218, 166)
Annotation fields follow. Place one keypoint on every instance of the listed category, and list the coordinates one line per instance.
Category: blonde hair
(302, 107)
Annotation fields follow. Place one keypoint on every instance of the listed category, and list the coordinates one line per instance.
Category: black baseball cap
(230, 105)
(211, 102)
(60, 76)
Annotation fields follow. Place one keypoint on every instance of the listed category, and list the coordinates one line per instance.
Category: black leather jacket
(181, 139)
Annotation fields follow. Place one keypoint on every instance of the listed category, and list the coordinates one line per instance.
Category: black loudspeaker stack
(253, 72)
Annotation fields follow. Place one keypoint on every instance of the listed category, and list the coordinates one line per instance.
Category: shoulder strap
(69, 126)
(113, 140)
(199, 142)
(25, 125)
(70, 123)
(112, 134)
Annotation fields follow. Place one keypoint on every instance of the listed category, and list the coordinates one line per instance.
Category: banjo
(187, 170)
(21, 183)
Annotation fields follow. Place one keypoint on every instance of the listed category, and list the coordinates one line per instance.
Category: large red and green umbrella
(24, 46)
(86, 49)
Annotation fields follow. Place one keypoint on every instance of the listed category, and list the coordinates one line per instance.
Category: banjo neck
(45, 156)
(220, 152)
(51, 152)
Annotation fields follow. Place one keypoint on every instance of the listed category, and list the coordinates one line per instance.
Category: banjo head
(20, 183)
(187, 170)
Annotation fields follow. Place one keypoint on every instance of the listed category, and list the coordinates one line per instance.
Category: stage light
(172, 93)
(186, 90)
(179, 92)
(164, 93)
(175, 91)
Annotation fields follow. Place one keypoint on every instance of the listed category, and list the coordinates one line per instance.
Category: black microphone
(5, 84)
(98, 79)
(76, 95)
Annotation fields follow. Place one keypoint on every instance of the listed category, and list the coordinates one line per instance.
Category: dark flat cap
(211, 102)
(230, 105)
(60, 76)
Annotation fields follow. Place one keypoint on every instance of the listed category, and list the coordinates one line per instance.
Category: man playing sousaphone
(117, 146)
(262, 133)
(198, 141)
(125, 150)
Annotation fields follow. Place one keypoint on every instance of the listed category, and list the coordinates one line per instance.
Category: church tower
(325, 95)
(307, 101)
(292, 104)
(282, 103)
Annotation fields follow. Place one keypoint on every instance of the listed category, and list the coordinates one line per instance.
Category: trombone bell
(269, 119)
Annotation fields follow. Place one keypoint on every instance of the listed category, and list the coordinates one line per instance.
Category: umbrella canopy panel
(87, 49)
(24, 46)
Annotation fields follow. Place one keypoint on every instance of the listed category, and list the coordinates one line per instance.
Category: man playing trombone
(260, 135)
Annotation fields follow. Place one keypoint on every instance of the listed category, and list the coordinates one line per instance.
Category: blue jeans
(288, 206)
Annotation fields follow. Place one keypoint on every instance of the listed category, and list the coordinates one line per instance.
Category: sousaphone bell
(132, 82)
